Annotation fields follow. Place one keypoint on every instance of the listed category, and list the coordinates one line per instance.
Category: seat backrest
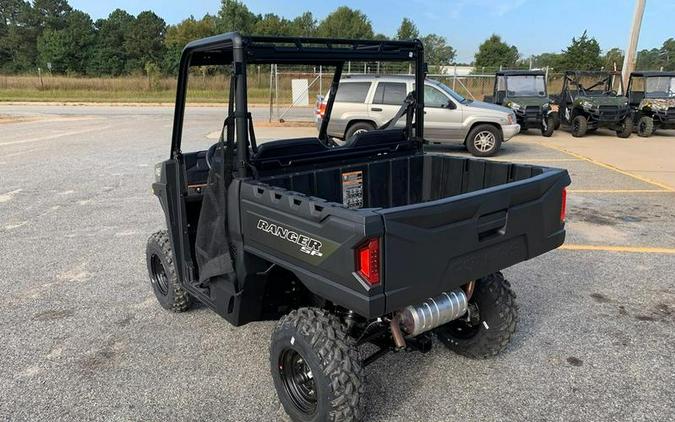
(376, 137)
(286, 147)
(636, 97)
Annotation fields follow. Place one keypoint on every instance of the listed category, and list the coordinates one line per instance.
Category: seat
(286, 147)
(376, 137)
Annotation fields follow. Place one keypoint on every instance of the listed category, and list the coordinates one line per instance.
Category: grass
(131, 89)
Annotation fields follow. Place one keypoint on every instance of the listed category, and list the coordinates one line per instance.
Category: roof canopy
(653, 74)
(218, 50)
(521, 73)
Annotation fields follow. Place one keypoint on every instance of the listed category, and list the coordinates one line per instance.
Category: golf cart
(372, 242)
(651, 95)
(589, 101)
(524, 91)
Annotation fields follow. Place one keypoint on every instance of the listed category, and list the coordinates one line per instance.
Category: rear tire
(579, 126)
(625, 128)
(484, 140)
(316, 367)
(645, 127)
(163, 276)
(491, 333)
(548, 126)
(358, 127)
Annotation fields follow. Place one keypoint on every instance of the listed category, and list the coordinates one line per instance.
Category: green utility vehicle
(524, 91)
(589, 100)
(651, 95)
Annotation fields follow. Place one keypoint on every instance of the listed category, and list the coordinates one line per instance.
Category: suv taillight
(563, 206)
(322, 109)
(368, 261)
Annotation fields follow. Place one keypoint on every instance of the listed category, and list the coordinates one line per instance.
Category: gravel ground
(84, 339)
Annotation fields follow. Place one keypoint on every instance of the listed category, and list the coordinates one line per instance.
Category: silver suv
(366, 102)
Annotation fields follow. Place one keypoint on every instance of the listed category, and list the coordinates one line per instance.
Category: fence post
(276, 86)
(454, 76)
(349, 66)
(271, 97)
(320, 80)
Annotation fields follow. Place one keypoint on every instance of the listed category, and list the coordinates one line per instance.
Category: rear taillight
(563, 206)
(368, 261)
(322, 109)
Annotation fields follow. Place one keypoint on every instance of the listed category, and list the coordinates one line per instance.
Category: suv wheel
(162, 271)
(625, 128)
(316, 367)
(548, 126)
(645, 126)
(491, 321)
(358, 127)
(484, 141)
(579, 126)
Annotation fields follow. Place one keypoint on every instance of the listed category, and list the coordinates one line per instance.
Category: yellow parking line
(630, 249)
(618, 191)
(542, 160)
(610, 167)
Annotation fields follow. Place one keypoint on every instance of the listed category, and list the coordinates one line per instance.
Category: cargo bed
(443, 221)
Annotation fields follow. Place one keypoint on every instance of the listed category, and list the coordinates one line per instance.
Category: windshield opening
(526, 86)
(590, 85)
(659, 87)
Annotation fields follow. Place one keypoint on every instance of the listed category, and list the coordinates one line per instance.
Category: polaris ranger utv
(589, 101)
(524, 91)
(651, 95)
(374, 241)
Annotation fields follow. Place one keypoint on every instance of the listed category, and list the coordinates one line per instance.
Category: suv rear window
(352, 92)
(390, 93)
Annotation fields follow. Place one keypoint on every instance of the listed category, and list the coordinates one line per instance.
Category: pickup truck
(372, 242)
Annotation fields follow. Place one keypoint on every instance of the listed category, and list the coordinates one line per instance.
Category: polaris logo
(307, 244)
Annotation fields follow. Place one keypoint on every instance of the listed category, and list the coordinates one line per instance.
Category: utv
(588, 101)
(652, 97)
(524, 91)
(374, 241)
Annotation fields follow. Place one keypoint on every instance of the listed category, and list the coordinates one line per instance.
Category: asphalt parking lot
(83, 337)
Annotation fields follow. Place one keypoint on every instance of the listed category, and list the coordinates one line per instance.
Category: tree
(582, 54)
(493, 53)
(67, 50)
(271, 24)
(18, 36)
(344, 22)
(177, 36)
(145, 41)
(649, 59)
(303, 25)
(109, 57)
(235, 16)
(667, 54)
(437, 52)
(550, 60)
(407, 30)
(613, 57)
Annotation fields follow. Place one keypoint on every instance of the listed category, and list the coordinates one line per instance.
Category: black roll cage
(506, 74)
(571, 78)
(240, 50)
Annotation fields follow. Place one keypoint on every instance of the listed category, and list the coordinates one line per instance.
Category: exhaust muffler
(433, 312)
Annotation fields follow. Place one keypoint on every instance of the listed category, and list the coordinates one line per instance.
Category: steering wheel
(210, 154)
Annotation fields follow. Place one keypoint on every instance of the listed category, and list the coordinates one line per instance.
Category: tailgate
(439, 245)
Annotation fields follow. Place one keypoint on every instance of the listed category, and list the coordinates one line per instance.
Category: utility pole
(631, 51)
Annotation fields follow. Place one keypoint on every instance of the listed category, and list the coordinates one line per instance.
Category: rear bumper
(509, 131)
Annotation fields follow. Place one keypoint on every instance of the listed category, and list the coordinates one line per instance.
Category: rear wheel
(548, 126)
(484, 141)
(163, 276)
(579, 126)
(625, 127)
(358, 127)
(316, 367)
(490, 323)
(645, 126)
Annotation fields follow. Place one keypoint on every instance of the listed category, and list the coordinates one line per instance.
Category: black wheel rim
(159, 277)
(575, 126)
(643, 127)
(463, 328)
(298, 381)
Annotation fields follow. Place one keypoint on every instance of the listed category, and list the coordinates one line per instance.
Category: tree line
(51, 35)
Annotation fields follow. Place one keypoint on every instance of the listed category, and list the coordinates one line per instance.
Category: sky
(534, 26)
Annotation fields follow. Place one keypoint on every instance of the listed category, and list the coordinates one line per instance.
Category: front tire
(645, 127)
(625, 128)
(548, 126)
(579, 126)
(163, 276)
(489, 332)
(484, 140)
(316, 367)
